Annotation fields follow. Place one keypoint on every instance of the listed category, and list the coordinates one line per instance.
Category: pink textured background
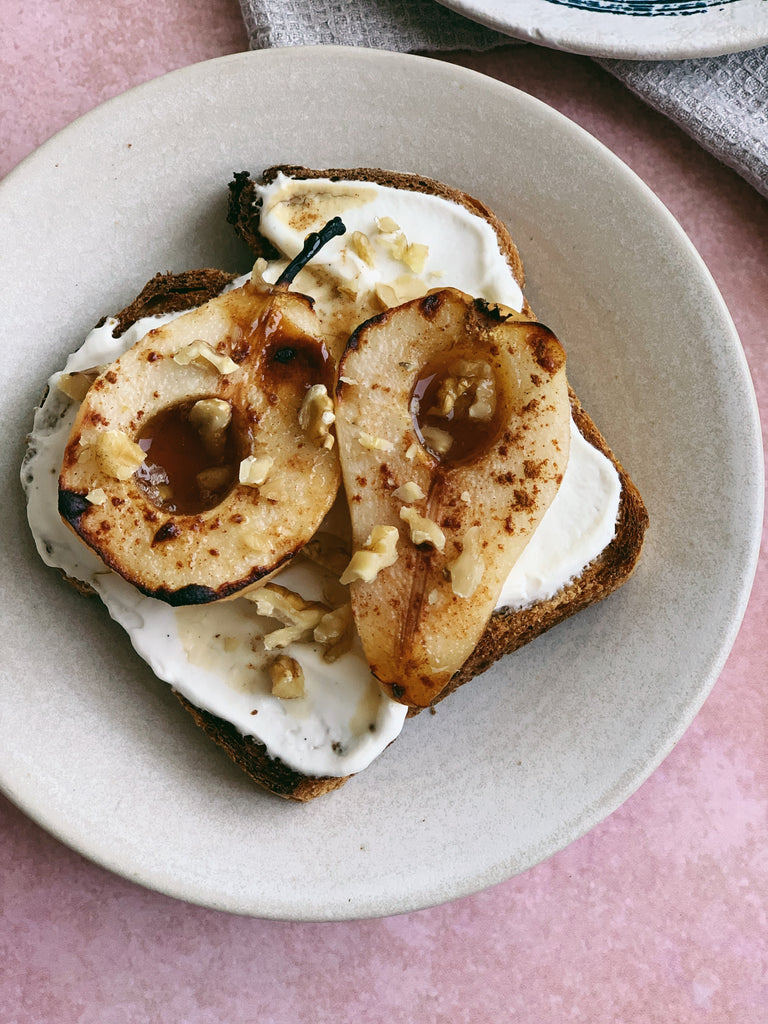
(657, 915)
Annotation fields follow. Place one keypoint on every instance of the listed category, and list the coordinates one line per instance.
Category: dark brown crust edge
(251, 756)
(172, 293)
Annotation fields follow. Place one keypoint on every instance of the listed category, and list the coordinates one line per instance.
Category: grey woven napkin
(722, 102)
(402, 25)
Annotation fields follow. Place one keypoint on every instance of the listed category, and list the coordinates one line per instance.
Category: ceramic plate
(634, 29)
(515, 765)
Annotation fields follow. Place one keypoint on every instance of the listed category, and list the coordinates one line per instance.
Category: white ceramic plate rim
(726, 28)
(470, 822)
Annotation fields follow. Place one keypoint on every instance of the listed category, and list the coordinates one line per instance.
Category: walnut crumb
(201, 354)
(299, 617)
(210, 417)
(361, 246)
(76, 385)
(117, 456)
(380, 551)
(316, 416)
(254, 470)
(467, 570)
(409, 492)
(374, 444)
(423, 530)
(287, 677)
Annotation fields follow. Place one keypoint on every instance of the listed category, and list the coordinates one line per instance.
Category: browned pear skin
(272, 354)
(499, 478)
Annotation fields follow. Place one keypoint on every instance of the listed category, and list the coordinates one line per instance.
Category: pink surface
(657, 915)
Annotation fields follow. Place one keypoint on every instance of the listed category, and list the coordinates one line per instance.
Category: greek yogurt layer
(213, 654)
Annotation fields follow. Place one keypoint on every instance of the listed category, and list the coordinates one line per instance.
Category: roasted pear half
(452, 419)
(203, 458)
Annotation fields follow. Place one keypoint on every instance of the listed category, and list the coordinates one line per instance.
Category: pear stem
(313, 243)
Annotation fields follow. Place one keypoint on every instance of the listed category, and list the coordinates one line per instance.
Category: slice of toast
(507, 629)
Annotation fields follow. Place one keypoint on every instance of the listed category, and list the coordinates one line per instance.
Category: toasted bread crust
(252, 757)
(172, 293)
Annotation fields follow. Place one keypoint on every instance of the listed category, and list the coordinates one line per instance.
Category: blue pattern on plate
(643, 8)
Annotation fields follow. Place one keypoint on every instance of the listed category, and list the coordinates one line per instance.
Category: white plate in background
(633, 29)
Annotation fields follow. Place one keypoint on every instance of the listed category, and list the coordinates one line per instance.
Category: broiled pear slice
(452, 418)
(202, 459)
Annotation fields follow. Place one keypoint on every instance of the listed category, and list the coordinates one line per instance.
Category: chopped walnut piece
(316, 415)
(408, 287)
(402, 289)
(117, 455)
(416, 256)
(97, 496)
(473, 380)
(409, 492)
(467, 570)
(380, 550)
(254, 470)
(287, 678)
(397, 244)
(259, 269)
(438, 440)
(210, 417)
(361, 246)
(348, 287)
(387, 225)
(374, 444)
(201, 353)
(413, 254)
(484, 404)
(386, 295)
(423, 530)
(335, 631)
(298, 616)
(76, 385)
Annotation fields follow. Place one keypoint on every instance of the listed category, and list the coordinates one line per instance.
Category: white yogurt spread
(462, 248)
(212, 654)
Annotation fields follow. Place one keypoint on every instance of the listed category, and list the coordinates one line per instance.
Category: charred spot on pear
(192, 467)
(452, 419)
